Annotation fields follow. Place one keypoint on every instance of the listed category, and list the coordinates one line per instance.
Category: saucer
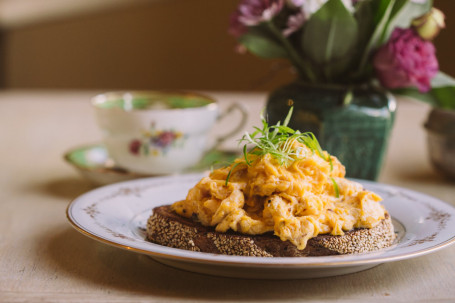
(94, 164)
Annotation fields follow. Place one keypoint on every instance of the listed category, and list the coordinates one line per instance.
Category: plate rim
(277, 262)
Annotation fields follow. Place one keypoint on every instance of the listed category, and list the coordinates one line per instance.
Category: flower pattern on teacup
(156, 141)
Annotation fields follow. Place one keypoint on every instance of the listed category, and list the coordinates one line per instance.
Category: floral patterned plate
(116, 215)
(94, 164)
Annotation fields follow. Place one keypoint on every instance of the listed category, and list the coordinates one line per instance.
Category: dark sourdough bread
(167, 228)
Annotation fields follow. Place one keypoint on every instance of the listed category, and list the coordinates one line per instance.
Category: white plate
(116, 214)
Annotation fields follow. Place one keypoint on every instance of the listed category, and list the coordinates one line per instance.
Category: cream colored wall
(172, 44)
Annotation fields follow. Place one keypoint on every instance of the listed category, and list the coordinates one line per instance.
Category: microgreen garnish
(335, 186)
(278, 141)
(230, 172)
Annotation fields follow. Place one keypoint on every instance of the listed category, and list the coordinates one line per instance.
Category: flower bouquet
(348, 55)
(350, 42)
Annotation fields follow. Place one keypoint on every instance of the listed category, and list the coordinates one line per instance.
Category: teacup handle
(243, 111)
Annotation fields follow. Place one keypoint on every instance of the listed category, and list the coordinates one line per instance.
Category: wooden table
(42, 258)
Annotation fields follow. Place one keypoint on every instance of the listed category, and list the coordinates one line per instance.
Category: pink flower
(253, 12)
(135, 146)
(164, 139)
(236, 28)
(406, 60)
(294, 23)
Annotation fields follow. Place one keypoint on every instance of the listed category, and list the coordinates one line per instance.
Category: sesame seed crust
(166, 228)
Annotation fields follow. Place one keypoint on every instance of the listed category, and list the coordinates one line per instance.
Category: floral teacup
(157, 132)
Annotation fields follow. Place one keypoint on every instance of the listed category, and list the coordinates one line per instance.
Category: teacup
(157, 132)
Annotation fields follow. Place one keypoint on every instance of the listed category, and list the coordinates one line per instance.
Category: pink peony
(253, 12)
(406, 60)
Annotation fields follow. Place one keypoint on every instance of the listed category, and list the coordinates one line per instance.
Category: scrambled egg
(298, 201)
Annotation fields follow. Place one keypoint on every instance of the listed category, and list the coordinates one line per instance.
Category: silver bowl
(440, 127)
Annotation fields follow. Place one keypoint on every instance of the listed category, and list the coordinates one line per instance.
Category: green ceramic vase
(352, 124)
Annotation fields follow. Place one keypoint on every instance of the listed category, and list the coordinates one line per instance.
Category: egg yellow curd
(307, 197)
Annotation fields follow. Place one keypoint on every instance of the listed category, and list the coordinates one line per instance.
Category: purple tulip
(294, 23)
(406, 60)
(253, 12)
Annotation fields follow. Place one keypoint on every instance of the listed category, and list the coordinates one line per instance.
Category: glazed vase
(351, 123)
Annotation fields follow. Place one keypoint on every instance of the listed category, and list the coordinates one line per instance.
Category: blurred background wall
(140, 44)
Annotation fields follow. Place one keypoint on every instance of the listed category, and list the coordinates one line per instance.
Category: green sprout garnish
(277, 140)
(335, 186)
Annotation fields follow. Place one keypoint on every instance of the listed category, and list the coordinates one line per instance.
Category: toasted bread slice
(167, 228)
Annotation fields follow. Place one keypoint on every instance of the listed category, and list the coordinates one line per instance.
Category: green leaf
(404, 11)
(262, 46)
(364, 14)
(414, 93)
(442, 80)
(339, 68)
(330, 34)
(442, 94)
(381, 19)
(145, 148)
(445, 97)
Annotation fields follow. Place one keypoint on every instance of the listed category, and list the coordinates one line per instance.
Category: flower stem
(299, 63)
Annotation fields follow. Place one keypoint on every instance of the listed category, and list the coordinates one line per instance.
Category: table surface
(42, 258)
